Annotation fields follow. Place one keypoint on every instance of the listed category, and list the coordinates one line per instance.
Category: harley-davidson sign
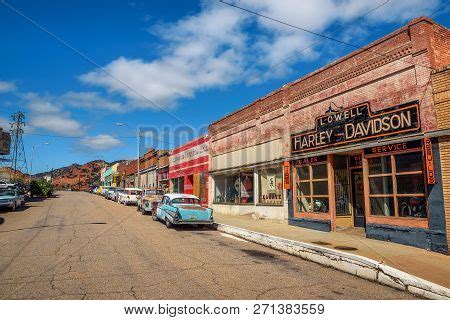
(356, 124)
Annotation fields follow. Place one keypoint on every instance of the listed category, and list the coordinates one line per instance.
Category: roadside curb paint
(350, 263)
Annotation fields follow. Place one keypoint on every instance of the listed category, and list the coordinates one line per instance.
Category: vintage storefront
(188, 169)
(364, 140)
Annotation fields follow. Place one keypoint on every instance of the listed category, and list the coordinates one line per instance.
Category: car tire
(168, 224)
(154, 217)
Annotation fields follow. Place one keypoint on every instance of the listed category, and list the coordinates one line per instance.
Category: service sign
(5, 143)
(357, 124)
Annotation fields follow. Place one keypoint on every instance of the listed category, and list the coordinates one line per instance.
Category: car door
(159, 211)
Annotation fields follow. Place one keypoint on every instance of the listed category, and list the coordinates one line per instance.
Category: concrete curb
(357, 265)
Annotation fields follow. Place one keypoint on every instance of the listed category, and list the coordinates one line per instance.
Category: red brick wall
(393, 70)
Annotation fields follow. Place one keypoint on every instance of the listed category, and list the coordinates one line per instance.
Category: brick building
(188, 169)
(362, 142)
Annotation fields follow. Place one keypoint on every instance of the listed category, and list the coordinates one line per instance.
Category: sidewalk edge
(351, 263)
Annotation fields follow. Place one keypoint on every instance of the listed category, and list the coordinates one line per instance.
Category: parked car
(105, 190)
(179, 209)
(109, 192)
(11, 198)
(115, 195)
(129, 196)
(99, 190)
(148, 201)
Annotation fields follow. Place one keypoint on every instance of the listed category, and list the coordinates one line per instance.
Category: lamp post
(138, 135)
(31, 158)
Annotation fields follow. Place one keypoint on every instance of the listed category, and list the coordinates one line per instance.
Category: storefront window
(178, 185)
(271, 186)
(312, 188)
(397, 187)
(236, 188)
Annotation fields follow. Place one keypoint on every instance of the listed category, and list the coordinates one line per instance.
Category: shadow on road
(2, 220)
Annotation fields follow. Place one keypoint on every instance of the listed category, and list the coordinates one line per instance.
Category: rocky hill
(76, 176)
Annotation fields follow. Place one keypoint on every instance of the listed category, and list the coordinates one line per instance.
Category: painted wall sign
(304, 161)
(287, 175)
(429, 160)
(394, 147)
(357, 124)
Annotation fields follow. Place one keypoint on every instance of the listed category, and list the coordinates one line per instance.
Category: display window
(312, 188)
(397, 185)
(271, 186)
(235, 188)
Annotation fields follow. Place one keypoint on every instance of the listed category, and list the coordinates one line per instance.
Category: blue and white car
(182, 209)
(11, 198)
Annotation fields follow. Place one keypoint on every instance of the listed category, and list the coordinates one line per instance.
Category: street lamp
(31, 157)
(138, 135)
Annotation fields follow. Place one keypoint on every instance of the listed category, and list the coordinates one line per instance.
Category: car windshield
(185, 201)
(7, 193)
(154, 192)
(118, 190)
(134, 192)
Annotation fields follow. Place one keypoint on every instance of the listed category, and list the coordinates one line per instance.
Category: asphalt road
(81, 246)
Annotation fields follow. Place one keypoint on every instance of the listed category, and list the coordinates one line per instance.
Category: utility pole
(18, 158)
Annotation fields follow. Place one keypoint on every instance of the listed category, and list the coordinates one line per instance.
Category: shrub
(41, 188)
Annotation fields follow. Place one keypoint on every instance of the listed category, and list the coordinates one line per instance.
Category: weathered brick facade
(391, 71)
(441, 94)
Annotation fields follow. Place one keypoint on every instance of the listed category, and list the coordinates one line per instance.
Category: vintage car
(148, 201)
(11, 198)
(129, 196)
(115, 195)
(110, 192)
(181, 209)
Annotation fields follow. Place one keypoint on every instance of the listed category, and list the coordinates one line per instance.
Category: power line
(315, 33)
(296, 52)
(84, 56)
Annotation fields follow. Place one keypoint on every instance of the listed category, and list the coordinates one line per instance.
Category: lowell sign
(357, 124)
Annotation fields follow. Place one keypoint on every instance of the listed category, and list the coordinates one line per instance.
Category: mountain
(76, 176)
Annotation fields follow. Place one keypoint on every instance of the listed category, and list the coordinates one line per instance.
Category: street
(80, 246)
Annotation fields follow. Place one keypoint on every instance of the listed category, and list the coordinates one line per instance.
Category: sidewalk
(427, 265)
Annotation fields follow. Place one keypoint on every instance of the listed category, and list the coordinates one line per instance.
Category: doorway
(357, 182)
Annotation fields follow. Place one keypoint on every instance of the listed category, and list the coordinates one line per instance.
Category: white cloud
(101, 142)
(221, 45)
(89, 100)
(6, 86)
(45, 112)
(58, 123)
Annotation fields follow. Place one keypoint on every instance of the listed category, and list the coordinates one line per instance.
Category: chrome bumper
(204, 222)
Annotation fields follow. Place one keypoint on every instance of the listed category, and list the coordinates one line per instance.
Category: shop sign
(310, 160)
(287, 175)
(358, 123)
(394, 147)
(355, 161)
(429, 161)
(5, 143)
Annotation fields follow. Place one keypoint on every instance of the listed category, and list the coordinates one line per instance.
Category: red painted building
(188, 169)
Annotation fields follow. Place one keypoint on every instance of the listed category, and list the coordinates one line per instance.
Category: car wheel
(168, 224)
(154, 216)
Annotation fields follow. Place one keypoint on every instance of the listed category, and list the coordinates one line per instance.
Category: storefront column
(331, 192)
(255, 187)
(365, 168)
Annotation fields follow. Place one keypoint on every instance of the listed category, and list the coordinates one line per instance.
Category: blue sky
(164, 65)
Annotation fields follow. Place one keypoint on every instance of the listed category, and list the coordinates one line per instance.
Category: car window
(7, 193)
(185, 201)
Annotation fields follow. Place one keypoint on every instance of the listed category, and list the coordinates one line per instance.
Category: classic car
(110, 192)
(11, 198)
(148, 201)
(179, 209)
(115, 195)
(129, 196)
